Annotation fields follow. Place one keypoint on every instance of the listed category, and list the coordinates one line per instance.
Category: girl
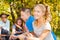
(19, 31)
(17, 28)
(42, 28)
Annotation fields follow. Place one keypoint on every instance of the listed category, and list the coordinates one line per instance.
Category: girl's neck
(41, 19)
(39, 22)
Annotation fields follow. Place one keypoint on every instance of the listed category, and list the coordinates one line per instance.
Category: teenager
(5, 25)
(41, 25)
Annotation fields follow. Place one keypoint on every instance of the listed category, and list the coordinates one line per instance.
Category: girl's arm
(29, 33)
(41, 37)
(46, 31)
(13, 31)
(25, 28)
(44, 34)
(18, 26)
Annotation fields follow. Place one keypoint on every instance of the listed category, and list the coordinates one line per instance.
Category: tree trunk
(12, 14)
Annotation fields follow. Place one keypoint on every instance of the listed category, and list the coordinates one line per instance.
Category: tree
(15, 5)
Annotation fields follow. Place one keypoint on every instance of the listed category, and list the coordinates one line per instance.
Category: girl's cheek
(19, 23)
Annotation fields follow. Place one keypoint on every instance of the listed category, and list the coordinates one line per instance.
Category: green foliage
(12, 7)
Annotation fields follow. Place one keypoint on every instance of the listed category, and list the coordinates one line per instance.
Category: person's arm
(46, 31)
(44, 34)
(25, 28)
(33, 34)
(18, 26)
(41, 37)
(12, 34)
(13, 30)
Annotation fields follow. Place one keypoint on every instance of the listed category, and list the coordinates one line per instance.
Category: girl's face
(38, 12)
(19, 22)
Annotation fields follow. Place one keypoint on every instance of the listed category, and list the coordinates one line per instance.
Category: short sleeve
(13, 26)
(1, 25)
(47, 26)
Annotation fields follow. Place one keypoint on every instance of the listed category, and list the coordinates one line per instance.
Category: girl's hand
(28, 34)
(18, 26)
(11, 37)
(19, 32)
(33, 38)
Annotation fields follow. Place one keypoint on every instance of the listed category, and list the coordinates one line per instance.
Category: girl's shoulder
(47, 26)
(47, 23)
(14, 26)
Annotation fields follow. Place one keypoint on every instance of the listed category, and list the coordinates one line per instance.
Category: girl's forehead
(19, 20)
(39, 7)
(36, 7)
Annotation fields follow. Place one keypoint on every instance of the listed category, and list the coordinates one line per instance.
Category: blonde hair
(46, 10)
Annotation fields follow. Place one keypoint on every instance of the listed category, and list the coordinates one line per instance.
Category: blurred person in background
(28, 19)
(5, 25)
(17, 29)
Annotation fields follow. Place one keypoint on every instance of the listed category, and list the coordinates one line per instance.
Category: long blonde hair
(46, 10)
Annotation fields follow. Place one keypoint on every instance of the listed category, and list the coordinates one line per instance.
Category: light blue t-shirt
(29, 23)
(6, 25)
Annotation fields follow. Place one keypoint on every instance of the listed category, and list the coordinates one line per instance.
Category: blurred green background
(12, 8)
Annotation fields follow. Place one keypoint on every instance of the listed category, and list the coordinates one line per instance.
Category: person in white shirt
(41, 25)
(4, 24)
